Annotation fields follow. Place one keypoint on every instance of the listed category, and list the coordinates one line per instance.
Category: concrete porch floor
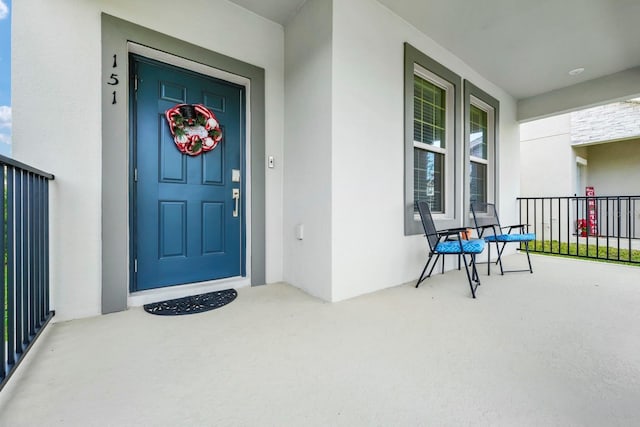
(559, 347)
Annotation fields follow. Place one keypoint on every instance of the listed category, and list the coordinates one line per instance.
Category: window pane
(429, 113)
(428, 173)
(478, 142)
(478, 190)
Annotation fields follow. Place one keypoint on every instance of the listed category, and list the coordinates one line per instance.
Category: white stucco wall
(614, 168)
(56, 95)
(369, 249)
(308, 147)
(547, 160)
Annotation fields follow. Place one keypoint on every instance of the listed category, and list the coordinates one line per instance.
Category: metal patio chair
(485, 218)
(449, 242)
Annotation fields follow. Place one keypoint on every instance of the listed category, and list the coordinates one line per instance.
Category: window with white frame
(432, 139)
(482, 116)
(478, 154)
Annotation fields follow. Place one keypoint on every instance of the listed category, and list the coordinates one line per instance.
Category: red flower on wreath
(195, 128)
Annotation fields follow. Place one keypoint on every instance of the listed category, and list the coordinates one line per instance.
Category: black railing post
(619, 231)
(629, 218)
(46, 248)
(24, 333)
(607, 219)
(550, 202)
(578, 222)
(32, 259)
(632, 208)
(19, 261)
(568, 225)
(41, 290)
(535, 221)
(542, 224)
(3, 339)
(36, 254)
(596, 204)
(528, 225)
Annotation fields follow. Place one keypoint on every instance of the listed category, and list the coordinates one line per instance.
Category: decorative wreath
(195, 128)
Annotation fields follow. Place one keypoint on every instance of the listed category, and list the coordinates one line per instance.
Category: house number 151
(113, 79)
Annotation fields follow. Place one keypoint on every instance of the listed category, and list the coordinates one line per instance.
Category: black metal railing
(24, 243)
(598, 227)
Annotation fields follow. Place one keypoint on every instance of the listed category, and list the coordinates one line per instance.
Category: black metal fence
(599, 227)
(24, 243)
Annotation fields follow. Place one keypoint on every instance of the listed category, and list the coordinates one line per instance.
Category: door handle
(235, 194)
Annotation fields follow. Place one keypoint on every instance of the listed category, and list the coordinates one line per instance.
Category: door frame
(114, 271)
(142, 296)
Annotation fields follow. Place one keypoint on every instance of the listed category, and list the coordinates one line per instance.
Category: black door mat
(193, 304)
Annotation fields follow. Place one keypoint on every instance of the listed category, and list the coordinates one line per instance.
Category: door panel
(184, 230)
(213, 227)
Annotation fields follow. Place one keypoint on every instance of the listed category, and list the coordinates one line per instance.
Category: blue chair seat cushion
(474, 246)
(525, 237)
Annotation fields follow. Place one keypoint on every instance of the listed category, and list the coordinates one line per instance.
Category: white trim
(176, 291)
(606, 141)
(581, 161)
(478, 160)
(479, 103)
(432, 77)
(448, 151)
(178, 61)
(428, 147)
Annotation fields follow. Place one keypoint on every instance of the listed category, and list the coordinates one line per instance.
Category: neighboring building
(597, 147)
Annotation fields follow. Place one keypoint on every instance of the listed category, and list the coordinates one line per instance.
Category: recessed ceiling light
(576, 71)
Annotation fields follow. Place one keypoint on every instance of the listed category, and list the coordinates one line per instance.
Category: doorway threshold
(137, 299)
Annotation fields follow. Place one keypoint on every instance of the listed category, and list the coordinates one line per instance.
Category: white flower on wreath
(207, 142)
(182, 139)
(212, 123)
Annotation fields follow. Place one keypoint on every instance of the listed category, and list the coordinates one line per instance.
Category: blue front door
(187, 226)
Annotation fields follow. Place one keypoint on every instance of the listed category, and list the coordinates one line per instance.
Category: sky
(5, 77)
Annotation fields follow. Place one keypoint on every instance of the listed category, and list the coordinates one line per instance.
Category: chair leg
(489, 259)
(475, 276)
(434, 264)
(422, 276)
(474, 282)
(499, 261)
(501, 249)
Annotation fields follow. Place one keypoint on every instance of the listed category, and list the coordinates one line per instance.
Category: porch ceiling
(525, 47)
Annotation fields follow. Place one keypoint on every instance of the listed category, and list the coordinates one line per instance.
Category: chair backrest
(485, 214)
(427, 223)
